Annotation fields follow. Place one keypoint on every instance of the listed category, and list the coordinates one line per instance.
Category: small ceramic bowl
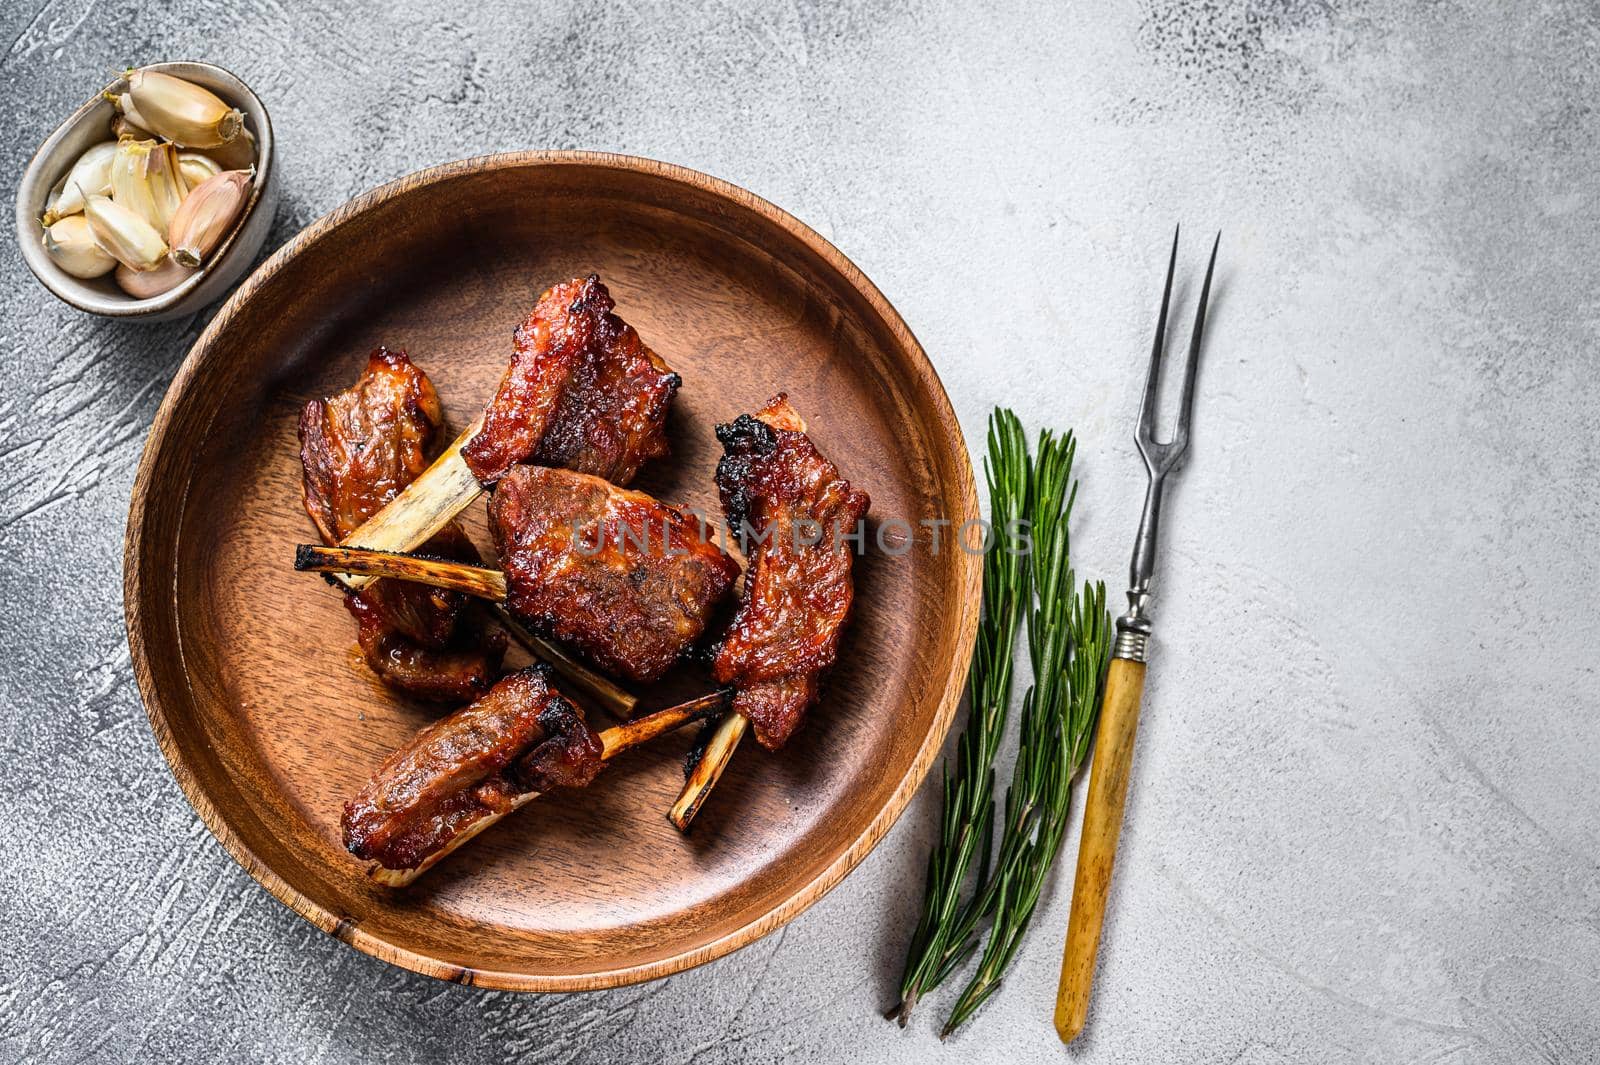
(90, 125)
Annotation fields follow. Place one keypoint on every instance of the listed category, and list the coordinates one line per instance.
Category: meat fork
(1119, 706)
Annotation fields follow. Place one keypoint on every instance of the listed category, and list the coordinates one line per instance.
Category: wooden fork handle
(1102, 824)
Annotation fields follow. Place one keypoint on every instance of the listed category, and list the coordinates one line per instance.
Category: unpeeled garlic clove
(89, 176)
(207, 214)
(121, 127)
(237, 154)
(181, 111)
(129, 120)
(145, 178)
(196, 168)
(70, 244)
(142, 285)
(124, 234)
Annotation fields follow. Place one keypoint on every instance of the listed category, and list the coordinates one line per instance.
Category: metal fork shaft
(1133, 627)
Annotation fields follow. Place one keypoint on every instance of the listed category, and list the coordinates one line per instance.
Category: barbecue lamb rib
(795, 513)
(359, 449)
(582, 392)
(626, 580)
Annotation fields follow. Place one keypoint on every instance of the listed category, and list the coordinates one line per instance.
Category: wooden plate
(249, 671)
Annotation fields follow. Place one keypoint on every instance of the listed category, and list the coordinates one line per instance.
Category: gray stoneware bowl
(91, 124)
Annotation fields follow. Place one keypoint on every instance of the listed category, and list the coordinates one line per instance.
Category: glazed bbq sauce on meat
(358, 450)
(797, 595)
(624, 579)
(521, 737)
(582, 393)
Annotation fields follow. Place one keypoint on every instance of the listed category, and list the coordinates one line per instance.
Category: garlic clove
(237, 154)
(128, 123)
(70, 244)
(121, 127)
(53, 203)
(143, 285)
(145, 178)
(89, 176)
(207, 214)
(181, 111)
(166, 182)
(196, 168)
(124, 234)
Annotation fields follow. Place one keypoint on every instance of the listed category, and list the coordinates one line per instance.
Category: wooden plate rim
(343, 928)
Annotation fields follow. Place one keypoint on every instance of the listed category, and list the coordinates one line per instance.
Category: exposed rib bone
(706, 772)
(349, 564)
(618, 702)
(481, 581)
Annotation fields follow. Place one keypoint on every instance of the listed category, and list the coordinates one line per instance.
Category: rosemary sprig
(1040, 796)
(1068, 643)
(966, 823)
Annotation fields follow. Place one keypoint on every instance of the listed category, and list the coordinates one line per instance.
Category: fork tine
(1186, 405)
(1146, 433)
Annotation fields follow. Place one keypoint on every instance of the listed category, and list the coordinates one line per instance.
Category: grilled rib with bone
(796, 514)
(520, 737)
(776, 486)
(582, 391)
(627, 581)
(462, 774)
(358, 450)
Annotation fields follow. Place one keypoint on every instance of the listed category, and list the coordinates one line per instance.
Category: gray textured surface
(1363, 826)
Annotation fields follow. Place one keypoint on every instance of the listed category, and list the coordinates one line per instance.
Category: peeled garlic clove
(52, 204)
(196, 168)
(142, 285)
(128, 185)
(167, 185)
(124, 234)
(180, 110)
(71, 246)
(145, 178)
(89, 176)
(237, 154)
(207, 215)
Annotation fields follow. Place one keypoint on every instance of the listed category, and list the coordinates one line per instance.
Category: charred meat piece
(457, 672)
(582, 392)
(428, 617)
(793, 511)
(628, 581)
(613, 414)
(358, 449)
(521, 738)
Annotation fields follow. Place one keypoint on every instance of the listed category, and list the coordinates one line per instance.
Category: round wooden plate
(249, 671)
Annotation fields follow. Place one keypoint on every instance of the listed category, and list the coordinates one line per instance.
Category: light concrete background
(1363, 826)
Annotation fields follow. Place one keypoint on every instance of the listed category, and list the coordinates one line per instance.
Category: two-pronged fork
(1119, 707)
